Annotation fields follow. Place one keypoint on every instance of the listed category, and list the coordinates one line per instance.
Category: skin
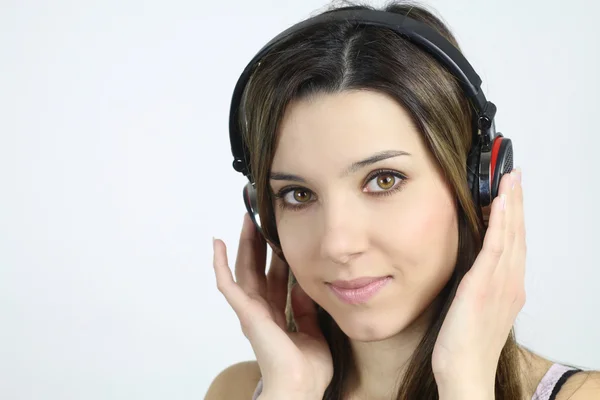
(348, 229)
(344, 230)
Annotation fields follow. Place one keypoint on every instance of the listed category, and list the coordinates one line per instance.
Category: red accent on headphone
(495, 150)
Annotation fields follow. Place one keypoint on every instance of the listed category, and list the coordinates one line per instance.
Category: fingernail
(516, 177)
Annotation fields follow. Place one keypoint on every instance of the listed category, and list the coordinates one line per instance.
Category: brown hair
(344, 56)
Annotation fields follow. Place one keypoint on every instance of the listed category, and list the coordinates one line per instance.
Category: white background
(115, 172)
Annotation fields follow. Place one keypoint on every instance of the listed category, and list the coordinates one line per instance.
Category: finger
(232, 292)
(305, 312)
(251, 259)
(517, 264)
(512, 209)
(277, 285)
(502, 267)
(519, 221)
(494, 240)
(504, 274)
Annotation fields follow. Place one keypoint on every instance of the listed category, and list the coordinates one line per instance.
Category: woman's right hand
(292, 364)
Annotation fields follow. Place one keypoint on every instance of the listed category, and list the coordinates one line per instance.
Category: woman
(394, 283)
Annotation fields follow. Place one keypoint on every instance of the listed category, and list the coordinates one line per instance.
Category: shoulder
(235, 382)
(583, 385)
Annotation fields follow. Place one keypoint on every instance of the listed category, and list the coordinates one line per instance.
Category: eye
(384, 181)
(380, 183)
(296, 196)
(293, 198)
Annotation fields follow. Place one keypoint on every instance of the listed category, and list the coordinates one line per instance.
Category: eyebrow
(380, 156)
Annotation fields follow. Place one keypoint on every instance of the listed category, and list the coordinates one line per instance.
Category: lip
(358, 290)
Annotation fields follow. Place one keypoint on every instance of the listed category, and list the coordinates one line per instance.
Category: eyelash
(279, 196)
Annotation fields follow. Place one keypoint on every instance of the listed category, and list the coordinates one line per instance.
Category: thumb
(305, 312)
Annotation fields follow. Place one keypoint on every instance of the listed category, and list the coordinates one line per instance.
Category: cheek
(301, 248)
(425, 236)
(434, 224)
(298, 246)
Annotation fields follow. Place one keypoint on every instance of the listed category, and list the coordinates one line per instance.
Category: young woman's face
(359, 195)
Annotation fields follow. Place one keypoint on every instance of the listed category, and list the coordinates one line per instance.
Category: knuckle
(517, 294)
(246, 242)
(521, 300)
(244, 330)
(522, 230)
(221, 287)
(511, 234)
(496, 249)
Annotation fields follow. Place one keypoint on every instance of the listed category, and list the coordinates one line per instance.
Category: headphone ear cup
(473, 163)
(485, 171)
(501, 162)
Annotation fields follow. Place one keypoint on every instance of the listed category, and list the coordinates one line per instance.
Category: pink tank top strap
(552, 381)
(258, 390)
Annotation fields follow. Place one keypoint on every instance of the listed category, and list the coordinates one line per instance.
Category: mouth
(358, 291)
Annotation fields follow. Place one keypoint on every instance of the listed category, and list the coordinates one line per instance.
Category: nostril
(342, 260)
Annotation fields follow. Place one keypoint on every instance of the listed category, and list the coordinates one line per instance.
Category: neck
(380, 366)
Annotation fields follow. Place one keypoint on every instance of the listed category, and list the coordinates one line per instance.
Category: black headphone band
(419, 33)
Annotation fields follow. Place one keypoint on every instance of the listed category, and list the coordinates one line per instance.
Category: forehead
(338, 129)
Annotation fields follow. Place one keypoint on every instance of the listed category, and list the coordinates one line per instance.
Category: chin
(378, 322)
(369, 325)
(368, 334)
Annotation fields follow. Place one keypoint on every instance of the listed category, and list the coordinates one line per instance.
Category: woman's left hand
(487, 301)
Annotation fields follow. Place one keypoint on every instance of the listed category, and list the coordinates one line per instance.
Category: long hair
(344, 56)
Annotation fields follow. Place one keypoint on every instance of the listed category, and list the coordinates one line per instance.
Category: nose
(344, 232)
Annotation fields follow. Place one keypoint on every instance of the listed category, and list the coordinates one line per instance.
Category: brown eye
(386, 181)
(301, 196)
(295, 198)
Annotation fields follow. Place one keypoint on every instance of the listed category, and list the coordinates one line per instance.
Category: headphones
(491, 154)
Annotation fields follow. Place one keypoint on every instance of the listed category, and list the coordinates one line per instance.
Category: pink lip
(358, 290)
